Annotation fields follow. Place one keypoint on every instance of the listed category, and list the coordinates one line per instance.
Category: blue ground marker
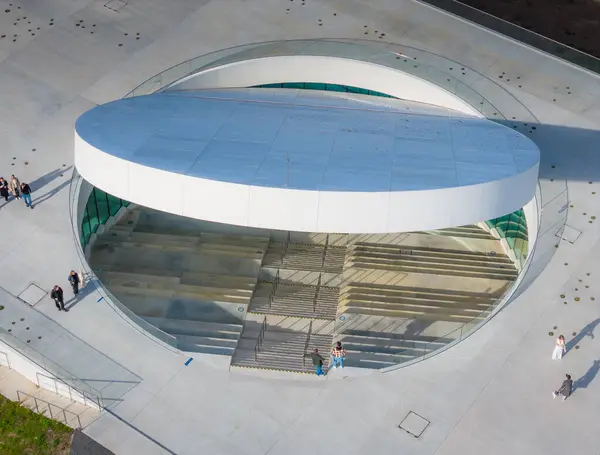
(189, 361)
(98, 301)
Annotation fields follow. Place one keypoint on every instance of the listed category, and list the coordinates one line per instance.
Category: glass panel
(93, 212)
(86, 230)
(315, 86)
(335, 88)
(102, 204)
(296, 85)
(114, 204)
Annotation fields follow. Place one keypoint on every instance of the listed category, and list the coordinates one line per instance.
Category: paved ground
(490, 393)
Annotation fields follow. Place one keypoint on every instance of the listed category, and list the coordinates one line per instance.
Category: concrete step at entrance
(432, 269)
(426, 262)
(356, 299)
(431, 308)
(427, 251)
(175, 290)
(295, 300)
(397, 337)
(197, 328)
(471, 231)
(440, 315)
(304, 257)
(414, 240)
(214, 280)
(280, 349)
(359, 359)
(206, 345)
(421, 292)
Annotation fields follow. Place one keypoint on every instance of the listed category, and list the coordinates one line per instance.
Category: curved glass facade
(325, 88)
(100, 206)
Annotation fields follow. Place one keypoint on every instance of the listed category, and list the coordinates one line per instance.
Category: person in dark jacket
(565, 389)
(317, 360)
(4, 189)
(57, 296)
(74, 280)
(26, 192)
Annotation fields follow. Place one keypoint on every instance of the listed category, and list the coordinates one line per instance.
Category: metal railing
(60, 385)
(316, 297)
(4, 360)
(260, 338)
(306, 345)
(59, 414)
(274, 289)
(43, 362)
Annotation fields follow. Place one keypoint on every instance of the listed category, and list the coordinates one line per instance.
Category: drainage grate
(570, 234)
(32, 294)
(414, 424)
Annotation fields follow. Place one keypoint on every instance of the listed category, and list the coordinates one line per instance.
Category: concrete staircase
(431, 261)
(193, 285)
(272, 347)
(415, 302)
(293, 299)
(200, 336)
(468, 232)
(311, 257)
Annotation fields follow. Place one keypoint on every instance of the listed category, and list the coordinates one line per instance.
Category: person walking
(317, 360)
(57, 296)
(560, 348)
(338, 354)
(565, 389)
(26, 192)
(4, 188)
(14, 186)
(74, 280)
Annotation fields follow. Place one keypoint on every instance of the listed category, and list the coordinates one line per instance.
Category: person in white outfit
(560, 349)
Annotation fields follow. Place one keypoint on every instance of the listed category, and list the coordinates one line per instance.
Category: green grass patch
(23, 432)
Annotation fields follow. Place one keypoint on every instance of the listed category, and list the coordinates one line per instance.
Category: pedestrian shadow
(588, 331)
(588, 377)
(46, 179)
(83, 292)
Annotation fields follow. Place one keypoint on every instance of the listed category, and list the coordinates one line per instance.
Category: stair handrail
(316, 297)
(52, 416)
(324, 252)
(288, 239)
(306, 344)
(274, 289)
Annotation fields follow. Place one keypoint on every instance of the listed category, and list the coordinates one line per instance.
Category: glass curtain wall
(513, 228)
(325, 87)
(99, 208)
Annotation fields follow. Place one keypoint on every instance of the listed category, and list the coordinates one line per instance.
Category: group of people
(337, 356)
(57, 293)
(566, 388)
(19, 190)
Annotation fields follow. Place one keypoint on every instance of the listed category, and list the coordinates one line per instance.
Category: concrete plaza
(491, 393)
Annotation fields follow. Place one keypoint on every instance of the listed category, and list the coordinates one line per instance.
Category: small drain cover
(414, 424)
(570, 234)
(32, 294)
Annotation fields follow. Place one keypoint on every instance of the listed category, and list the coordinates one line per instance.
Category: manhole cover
(414, 424)
(32, 294)
(115, 5)
(569, 234)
